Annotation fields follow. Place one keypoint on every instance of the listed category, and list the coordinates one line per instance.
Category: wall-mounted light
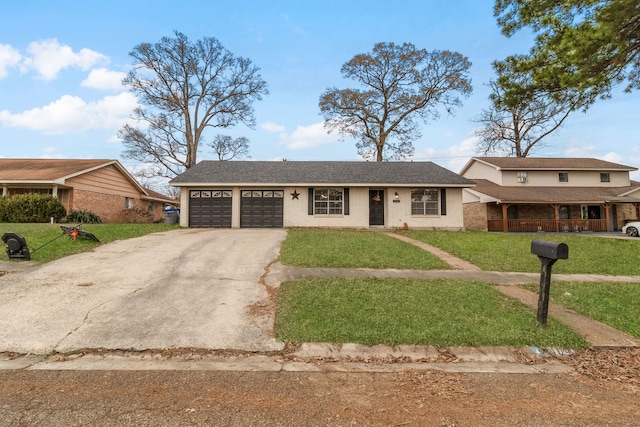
(396, 196)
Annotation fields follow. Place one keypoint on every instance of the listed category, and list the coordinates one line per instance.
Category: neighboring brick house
(549, 194)
(103, 187)
(241, 194)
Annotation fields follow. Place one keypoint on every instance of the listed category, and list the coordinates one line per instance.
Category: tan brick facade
(475, 216)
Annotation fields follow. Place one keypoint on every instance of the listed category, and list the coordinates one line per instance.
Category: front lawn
(616, 304)
(37, 235)
(404, 311)
(353, 249)
(512, 252)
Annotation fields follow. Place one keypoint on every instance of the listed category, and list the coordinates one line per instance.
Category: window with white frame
(425, 201)
(128, 203)
(328, 201)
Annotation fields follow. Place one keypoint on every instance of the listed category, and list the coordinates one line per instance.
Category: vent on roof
(522, 177)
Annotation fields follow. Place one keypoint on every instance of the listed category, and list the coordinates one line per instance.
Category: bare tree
(227, 148)
(521, 114)
(184, 88)
(402, 86)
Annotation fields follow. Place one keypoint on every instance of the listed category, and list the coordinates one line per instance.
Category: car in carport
(632, 229)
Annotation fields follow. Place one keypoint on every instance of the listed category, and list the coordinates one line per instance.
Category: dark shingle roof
(555, 163)
(319, 172)
(526, 194)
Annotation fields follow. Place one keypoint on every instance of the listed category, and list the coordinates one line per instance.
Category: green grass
(615, 304)
(37, 235)
(353, 249)
(392, 311)
(512, 252)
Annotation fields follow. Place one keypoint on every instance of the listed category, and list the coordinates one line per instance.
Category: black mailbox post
(548, 253)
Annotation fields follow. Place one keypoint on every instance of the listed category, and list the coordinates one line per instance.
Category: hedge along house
(103, 187)
(248, 194)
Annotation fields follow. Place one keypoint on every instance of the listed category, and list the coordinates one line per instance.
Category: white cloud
(579, 150)
(307, 137)
(272, 127)
(101, 78)
(453, 157)
(71, 114)
(612, 157)
(8, 58)
(49, 57)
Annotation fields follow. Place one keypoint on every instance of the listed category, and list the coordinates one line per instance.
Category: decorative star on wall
(294, 195)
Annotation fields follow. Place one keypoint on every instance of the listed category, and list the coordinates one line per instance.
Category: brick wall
(112, 208)
(475, 216)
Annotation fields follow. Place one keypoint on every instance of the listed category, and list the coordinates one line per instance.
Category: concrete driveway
(182, 288)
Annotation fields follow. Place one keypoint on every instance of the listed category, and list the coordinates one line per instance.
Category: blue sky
(61, 64)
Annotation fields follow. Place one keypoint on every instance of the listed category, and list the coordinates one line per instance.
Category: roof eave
(315, 184)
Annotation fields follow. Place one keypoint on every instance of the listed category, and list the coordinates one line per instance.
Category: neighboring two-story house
(549, 194)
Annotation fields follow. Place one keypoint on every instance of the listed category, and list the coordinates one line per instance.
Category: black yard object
(548, 253)
(16, 246)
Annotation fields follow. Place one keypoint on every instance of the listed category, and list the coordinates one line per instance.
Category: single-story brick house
(103, 187)
(549, 194)
(270, 194)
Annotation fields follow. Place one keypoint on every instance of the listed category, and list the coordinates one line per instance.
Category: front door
(593, 212)
(376, 207)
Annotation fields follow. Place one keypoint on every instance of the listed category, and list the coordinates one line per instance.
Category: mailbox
(548, 253)
(550, 250)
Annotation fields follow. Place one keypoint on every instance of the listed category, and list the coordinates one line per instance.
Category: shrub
(137, 216)
(84, 217)
(31, 208)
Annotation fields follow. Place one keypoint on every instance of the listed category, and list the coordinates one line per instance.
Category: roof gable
(319, 173)
(47, 169)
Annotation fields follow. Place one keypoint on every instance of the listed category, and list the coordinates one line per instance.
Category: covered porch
(558, 217)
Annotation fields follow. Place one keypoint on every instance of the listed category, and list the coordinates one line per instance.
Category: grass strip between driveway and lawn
(407, 311)
(615, 304)
(37, 235)
(353, 249)
(588, 254)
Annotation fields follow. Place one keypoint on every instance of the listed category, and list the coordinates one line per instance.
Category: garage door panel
(261, 209)
(210, 209)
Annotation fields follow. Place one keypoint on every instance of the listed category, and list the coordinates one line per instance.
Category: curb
(310, 357)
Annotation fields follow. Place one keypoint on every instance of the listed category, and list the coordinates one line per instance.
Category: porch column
(637, 206)
(54, 191)
(505, 219)
(606, 207)
(556, 216)
(5, 191)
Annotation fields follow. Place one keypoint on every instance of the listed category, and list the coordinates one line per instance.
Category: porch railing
(549, 225)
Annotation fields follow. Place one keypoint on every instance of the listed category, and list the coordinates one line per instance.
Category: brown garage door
(261, 208)
(210, 208)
